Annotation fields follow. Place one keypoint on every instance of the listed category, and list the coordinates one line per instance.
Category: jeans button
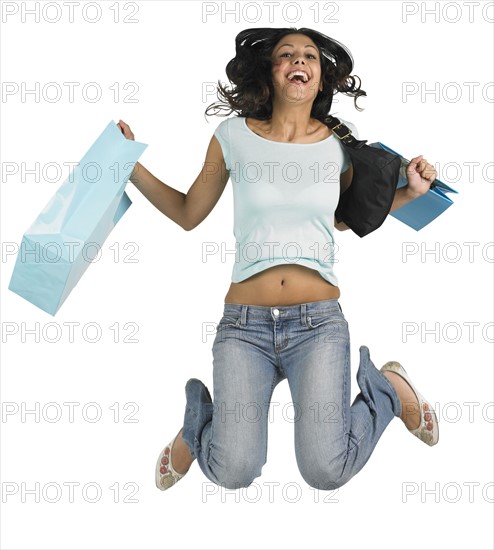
(276, 312)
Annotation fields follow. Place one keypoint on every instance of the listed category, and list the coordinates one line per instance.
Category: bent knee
(326, 484)
(236, 474)
(324, 477)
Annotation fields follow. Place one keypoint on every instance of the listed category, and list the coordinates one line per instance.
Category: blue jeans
(255, 348)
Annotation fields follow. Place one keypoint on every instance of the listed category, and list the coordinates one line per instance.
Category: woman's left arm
(420, 175)
(345, 182)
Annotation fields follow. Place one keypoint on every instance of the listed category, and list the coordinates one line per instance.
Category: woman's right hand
(125, 129)
(127, 132)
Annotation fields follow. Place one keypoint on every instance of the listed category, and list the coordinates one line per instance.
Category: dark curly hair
(250, 73)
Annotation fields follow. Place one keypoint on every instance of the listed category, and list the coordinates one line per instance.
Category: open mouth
(301, 78)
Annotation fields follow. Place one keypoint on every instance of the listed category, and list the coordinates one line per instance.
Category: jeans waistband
(295, 311)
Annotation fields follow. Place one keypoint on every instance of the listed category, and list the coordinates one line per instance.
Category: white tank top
(285, 196)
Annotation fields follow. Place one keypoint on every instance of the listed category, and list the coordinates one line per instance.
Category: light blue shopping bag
(64, 239)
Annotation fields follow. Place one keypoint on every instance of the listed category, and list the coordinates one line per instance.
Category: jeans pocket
(319, 319)
(227, 321)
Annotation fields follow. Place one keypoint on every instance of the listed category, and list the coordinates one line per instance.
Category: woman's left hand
(420, 175)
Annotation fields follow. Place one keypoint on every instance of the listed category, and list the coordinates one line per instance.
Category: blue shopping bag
(424, 209)
(64, 239)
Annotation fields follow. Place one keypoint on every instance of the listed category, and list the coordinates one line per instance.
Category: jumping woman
(282, 317)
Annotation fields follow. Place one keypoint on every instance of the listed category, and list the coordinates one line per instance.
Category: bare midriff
(282, 285)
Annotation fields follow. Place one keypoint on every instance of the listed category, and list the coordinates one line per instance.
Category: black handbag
(366, 203)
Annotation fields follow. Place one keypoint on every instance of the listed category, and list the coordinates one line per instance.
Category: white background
(173, 295)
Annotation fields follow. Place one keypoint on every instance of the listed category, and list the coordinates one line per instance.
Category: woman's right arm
(186, 210)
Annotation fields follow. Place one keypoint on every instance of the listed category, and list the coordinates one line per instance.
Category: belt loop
(340, 307)
(243, 317)
(303, 314)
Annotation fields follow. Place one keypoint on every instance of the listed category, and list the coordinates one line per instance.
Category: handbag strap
(343, 132)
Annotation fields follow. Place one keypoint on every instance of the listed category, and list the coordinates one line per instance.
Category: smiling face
(295, 54)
